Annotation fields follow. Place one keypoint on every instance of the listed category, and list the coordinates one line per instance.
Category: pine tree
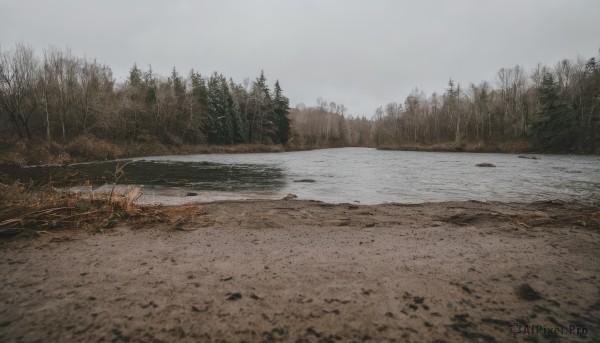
(240, 124)
(135, 82)
(232, 133)
(223, 124)
(197, 106)
(199, 90)
(149, 82)
(590, 108)
(135, 76)
(215, 128)
(552, 129)
(281, 109)
(261, 120)
(178, 84)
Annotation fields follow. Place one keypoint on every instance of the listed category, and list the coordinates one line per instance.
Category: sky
(363, 54)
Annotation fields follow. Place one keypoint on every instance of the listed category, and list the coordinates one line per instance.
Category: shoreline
(505, 148)
(276, 270)
(89, 149)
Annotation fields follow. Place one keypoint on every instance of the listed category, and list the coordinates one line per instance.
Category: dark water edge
(205, 176)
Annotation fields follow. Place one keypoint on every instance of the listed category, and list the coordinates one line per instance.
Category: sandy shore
(308, 271)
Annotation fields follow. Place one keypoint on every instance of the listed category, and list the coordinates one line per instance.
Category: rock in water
(526, 292)
(485, 165)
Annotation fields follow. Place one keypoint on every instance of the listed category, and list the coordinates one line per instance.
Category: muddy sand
(306, 271)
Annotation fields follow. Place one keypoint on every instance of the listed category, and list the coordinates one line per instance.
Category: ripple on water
(343, 175)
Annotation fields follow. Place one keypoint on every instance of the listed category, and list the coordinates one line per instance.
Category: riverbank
(305, 270)
(89, 149)
(512, 147)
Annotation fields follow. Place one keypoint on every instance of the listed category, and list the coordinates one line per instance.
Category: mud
(311, 272)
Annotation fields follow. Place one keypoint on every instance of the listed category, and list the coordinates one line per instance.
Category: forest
(60, 97)
(548, 109)
(55, 97)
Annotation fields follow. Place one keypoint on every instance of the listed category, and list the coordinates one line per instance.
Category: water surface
(361, 175)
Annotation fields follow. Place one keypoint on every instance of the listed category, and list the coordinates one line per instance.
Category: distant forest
(59, 97)
(548, 109)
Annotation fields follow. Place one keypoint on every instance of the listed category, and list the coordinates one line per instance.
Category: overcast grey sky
(360, 53)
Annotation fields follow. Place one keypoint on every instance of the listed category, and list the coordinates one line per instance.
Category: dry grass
(237, 149)
(89, 148)
(513, 146)
(155, 148)
(446, 147)
(31, 152)
(517, 146)
(38, 207)
(34, 208)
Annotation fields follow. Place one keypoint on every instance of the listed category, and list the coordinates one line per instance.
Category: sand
(308, 271)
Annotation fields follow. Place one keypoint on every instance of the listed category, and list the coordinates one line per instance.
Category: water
(360, 175)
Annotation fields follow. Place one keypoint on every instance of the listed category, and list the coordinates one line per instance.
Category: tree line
(328, 125)
(550, 108)
(59, 97)
(556, 108)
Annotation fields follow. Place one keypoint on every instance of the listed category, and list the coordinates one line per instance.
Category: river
(357, 175)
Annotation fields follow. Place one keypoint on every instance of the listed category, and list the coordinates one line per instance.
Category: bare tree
(17, 82)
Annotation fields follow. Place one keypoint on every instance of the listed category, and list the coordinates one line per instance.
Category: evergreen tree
(150, 86)
(178, 84)
(552, 129)
(589, 107)
(223, 125)
(240, 123)
(199, 90)
(261, 117)
(233, 132)
(135, 76)
(135, 82)
(281, 109)
(215, 122)
(197, 106)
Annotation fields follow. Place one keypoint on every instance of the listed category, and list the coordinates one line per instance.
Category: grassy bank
(513, 147)
(87, 148)
(33, 209)
(37, 207)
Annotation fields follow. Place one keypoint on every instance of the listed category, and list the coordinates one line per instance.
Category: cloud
(361, 54)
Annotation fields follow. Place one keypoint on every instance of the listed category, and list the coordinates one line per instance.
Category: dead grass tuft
(31, 208)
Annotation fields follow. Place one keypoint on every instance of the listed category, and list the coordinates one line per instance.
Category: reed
(38, 207)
